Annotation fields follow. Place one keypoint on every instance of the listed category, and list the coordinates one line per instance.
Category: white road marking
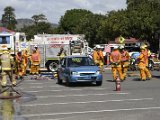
(34, 82)
(33, 91)
(22, 87)
(79, 95)
(54, 90)
(85, 112)
(86, 102)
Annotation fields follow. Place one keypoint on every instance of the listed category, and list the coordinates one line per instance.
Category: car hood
(84, 68)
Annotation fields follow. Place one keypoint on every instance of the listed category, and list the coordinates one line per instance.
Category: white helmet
(98, 46)
(19, 50)
(115, 47)
(121, 47)
(35, 46)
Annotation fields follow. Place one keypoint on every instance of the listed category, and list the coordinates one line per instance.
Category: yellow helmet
(145, 46)
(142, 47)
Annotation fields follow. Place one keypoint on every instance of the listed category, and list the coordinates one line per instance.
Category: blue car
(78, 68)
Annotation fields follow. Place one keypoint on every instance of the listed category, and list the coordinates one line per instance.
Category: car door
(62, 69)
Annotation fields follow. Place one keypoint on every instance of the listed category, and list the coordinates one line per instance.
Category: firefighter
(62, 52)
(25, 56)
(19, 64)
(148, 53)
(115, 59)
(125, 57)
(7, 68)
(37, 49)
(101, 61)
(97, 57)
(142, 64)
(35, 62)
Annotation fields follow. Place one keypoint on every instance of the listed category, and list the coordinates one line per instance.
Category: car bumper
(85, 78)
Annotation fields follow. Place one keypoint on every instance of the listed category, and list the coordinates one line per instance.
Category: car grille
(86, 74)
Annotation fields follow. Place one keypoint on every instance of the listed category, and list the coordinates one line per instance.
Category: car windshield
(132, 49)
(80, 61)
(135, 55)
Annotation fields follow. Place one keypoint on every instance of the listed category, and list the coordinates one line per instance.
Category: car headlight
(98, 72)
(75, 73)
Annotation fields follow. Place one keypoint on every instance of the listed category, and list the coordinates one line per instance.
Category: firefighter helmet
(142, 47)
(115, 47)
(35, 46)
(19, 50)
(98, 46)
(121, 47)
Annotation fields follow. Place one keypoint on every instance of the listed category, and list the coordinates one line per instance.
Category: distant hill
(27, 22)
(24, 22)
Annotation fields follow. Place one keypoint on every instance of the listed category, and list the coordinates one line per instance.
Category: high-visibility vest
(101, 54)
(19, 58)
(35, 57)
(115, 56)
(143, 58)
(6, 61)
(125, 56)
(96, 56)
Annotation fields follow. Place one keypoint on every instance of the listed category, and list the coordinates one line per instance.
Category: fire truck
(12, 40)
(49, 46)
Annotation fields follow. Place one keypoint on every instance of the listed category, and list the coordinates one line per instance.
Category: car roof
(71, 56)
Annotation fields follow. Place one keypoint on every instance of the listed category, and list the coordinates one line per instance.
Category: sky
(54, 9)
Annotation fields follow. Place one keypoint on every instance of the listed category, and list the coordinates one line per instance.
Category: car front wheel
(59, 81)
(98, 83)
(68, 83)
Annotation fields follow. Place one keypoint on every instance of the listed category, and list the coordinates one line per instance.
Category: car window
(80, 61)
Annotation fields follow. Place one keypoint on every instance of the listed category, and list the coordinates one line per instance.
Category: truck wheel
(98, 83)
(52, 66)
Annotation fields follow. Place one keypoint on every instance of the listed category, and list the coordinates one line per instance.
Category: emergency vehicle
(12, 40)
(49, 46)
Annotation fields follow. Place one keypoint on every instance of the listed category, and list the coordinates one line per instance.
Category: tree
(140, 20)
(9, 18)
(72, 18)
(40, 28)
(39, 18)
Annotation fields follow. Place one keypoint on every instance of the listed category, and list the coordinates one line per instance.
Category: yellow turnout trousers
(144, 72)
(101, 65)
(34, 68)
(4, 78)
(116, 69)
(125, 66)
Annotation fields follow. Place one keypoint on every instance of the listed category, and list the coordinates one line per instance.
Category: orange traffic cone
(118, 84)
